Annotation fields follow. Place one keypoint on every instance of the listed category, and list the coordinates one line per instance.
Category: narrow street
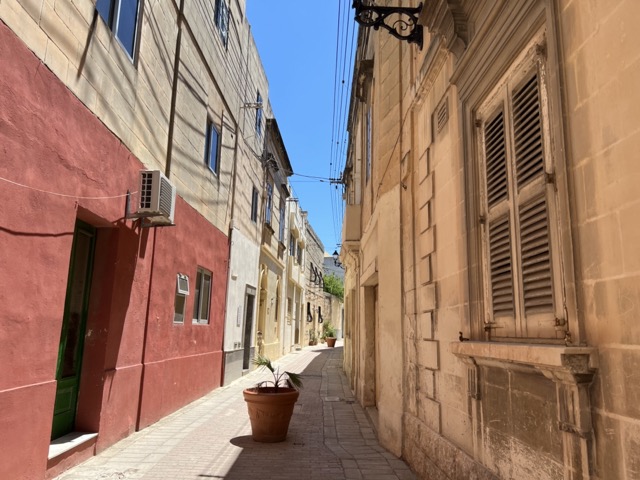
(330, 436)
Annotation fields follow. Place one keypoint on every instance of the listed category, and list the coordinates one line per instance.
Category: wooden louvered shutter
(499, 227)
(500, 267)
(535, 257)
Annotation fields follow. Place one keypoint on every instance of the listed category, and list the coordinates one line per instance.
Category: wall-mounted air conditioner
(157, 198)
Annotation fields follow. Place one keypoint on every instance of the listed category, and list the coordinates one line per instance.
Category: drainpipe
(403, 310)
(236, 148)
(174, 91)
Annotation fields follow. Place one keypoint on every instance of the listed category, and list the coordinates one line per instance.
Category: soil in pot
(270, 412)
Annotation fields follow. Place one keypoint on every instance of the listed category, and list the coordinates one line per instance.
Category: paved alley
(330, 436)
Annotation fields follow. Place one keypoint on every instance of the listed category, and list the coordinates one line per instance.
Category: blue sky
(300, 47)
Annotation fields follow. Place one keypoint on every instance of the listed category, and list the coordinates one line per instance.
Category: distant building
(314, 292)
(273, 248)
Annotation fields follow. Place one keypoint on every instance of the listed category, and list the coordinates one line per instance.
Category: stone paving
(330, 436)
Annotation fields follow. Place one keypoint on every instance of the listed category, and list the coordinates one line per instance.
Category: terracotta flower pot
(270, 412)
(331, 341)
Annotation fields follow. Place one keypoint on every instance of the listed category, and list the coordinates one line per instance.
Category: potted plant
(313, 340)
(270, 403)
(329, 332)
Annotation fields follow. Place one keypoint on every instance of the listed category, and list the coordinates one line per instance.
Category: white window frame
(201, 310)
(113, 22)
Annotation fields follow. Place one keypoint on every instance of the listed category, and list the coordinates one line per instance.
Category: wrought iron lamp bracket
(404, 24)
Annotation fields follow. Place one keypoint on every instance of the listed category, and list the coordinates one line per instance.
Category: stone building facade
(273, 248)
(91, 93)
(314, 293)
(295, 315)
(489, 239)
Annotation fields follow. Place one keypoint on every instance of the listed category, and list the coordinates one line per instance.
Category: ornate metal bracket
(403, 23)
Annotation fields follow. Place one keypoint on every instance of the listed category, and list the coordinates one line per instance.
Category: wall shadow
(304, 451)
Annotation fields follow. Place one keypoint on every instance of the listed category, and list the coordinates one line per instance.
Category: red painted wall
(50, 141)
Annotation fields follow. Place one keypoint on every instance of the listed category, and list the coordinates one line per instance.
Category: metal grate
(166, 196)
(443, 115)
(146, 189)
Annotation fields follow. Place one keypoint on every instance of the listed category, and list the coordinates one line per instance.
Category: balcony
(351, 225)
(296, 272)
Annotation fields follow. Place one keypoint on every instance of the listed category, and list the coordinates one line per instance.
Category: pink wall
(50, 141)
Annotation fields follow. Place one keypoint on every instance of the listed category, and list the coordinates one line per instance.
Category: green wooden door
(73, 329)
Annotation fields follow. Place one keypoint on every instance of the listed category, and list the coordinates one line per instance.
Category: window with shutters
(521, 276)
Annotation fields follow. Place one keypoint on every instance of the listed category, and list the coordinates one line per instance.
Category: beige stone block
(56, 60)
(423, 166)
(33, 8)
(57, 31)
(612, 303)
(425, 325)
(429, 413)
(82, 89)
(425, 191)
(427, 297)
(428, 354)
(620, 372)
(630, 237)
(410, 302)
(24, 27)
(427, 242)
(424, 271)
(424, 218)
(427, 384)
(601, 248)
(77, 23)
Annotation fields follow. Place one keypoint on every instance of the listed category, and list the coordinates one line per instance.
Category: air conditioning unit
(157, 198)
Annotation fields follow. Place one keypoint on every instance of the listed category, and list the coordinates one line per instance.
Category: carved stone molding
(447, 18)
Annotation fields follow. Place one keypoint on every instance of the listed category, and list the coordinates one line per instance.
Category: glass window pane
(196, 304)
(213, 148)
(206, 293)
(104, 9)
(127, 21)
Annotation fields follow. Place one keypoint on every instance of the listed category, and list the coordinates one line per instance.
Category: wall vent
(443, 115)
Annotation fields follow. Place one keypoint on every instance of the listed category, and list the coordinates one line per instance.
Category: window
(259, 115)
(202, 297)
(320, 319)
(282, 221)
(299, 254)
(309, 314)
(518, 202)
(212, 149)
(254, 205)
(182, 290)
(121, 16)
(222, 15)
(292, 245)
(268, 207)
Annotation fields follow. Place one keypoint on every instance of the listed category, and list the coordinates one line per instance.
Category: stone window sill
(568, 359)
(69, 442)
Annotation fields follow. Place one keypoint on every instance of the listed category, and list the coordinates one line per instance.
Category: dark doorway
(73, 330)
(250, 300)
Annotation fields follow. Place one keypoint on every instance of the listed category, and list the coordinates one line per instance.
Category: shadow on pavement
(303, 454)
